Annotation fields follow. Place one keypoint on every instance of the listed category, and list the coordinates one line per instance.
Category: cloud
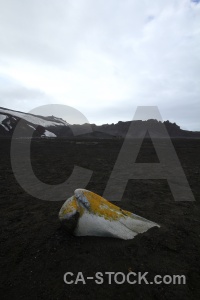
(15, 96)
(103, 56)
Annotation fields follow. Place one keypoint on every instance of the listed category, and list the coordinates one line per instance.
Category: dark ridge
(60, 128)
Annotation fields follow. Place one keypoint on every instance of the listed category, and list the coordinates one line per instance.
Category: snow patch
(31, 126)
(48, 134)
(2, 117)
(8, 124)
(34, 120)
(4, 127)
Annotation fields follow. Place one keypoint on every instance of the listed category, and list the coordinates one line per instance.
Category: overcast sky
(103, 57)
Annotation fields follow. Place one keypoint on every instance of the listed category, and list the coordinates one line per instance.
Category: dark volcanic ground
(36, 252)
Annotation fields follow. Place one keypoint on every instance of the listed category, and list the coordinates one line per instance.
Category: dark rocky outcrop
(40, 126)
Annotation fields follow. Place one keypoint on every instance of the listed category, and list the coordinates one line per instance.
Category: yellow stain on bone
(71, 207)
(105, 209)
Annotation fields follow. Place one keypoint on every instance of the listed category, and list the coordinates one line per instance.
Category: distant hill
(120, 129)
(40, 126)
(53, 127)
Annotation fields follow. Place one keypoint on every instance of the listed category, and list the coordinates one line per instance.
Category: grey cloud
(15, 96)
(103, 55)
